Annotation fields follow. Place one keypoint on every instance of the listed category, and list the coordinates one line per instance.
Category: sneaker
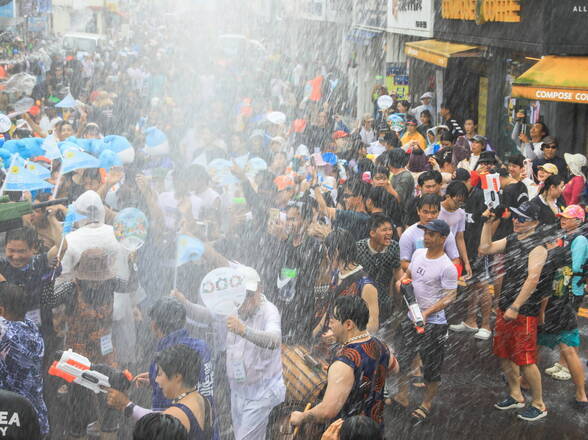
(562, 374)
(483, 334)
(509, 403)
(462, 328)
(551, 370)
(531, 414)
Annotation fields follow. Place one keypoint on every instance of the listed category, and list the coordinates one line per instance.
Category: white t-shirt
(455, 219)
(262, 366)
(429, 279)
(376, 148)
(412, 239)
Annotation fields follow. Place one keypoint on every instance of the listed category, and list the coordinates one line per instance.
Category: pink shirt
(573, 190)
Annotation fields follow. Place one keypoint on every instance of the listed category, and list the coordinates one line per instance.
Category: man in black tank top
(515, 336)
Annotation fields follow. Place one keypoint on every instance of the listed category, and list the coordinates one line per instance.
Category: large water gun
(407, 291)
(75, 368)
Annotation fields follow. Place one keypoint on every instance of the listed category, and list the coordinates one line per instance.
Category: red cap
(340, 134)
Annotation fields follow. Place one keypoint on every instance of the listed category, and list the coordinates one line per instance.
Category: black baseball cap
(16, 406)
(487, 157)
(526, 211)
(436, 225)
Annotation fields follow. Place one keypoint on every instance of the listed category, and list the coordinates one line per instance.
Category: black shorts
(430, 345)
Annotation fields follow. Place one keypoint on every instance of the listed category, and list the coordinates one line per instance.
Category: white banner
(411, 17)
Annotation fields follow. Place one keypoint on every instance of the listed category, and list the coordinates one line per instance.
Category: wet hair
(12, 299)
(360, 428)
(456, 189)
(426, 113)
(446, 136)
(158, 425)
(358, 187)
(353, 308)
(304, 207)
(378, 220)
(516, 159)
(553, 180)
(392, 140)
(26, 234)
(543, 128)
(199, 174)
(429, 199)
(59, 126)
(180, 359)
(92, 173)
(404, 103)
(340, 243)
(169, 315)
(382, 199)
(471, 118)
(430, 175)
(396, 158)
(381, 170)
(364, 165)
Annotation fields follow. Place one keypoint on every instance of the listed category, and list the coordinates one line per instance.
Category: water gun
(491, 187)
(75, 368)
(408, 294)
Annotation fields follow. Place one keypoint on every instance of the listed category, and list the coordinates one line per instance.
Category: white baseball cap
(427, 95)
(251, 278)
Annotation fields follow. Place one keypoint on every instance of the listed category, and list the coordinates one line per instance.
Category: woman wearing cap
(575, 186)
(543, 173)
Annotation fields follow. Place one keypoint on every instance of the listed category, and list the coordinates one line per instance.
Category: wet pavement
(472, 383)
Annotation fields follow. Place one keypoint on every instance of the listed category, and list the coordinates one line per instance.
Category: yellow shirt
(416, 136)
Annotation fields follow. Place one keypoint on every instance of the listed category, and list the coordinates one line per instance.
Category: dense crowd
(334, 228)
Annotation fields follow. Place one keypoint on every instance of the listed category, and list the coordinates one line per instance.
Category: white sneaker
(551, 370)
(462, 328)
(483, 334)
(563, 374)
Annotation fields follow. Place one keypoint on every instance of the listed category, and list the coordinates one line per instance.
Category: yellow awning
(438, 52)
(554, 78)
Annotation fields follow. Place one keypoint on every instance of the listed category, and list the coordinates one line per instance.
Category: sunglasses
(550, 147)
(520, 219)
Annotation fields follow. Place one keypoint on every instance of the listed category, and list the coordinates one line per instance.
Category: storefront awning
(554, 78)
(438, 52)
(362, 36)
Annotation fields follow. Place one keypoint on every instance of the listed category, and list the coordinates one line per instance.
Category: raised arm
(487, 246)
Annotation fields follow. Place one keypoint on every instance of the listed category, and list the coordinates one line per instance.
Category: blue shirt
(205, 383)
(579, 258)
(21, 360)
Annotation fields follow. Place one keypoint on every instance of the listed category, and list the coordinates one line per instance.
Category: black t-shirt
(380, 267)
(546, 214)
(293, 284)
(513, 195)
(411, 216)
(19, 419)
(559, 314)
(516, 261)
(474, 207)
(355, 222)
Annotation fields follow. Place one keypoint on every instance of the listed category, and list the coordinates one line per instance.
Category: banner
(411, 17)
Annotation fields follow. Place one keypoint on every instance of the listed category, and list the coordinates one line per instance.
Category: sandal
(582, 406)
(419, 415)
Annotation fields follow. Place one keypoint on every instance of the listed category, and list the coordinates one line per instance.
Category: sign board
(482, 11)
(411, 17)
(7, 9)
(370, 14)
(313, 9)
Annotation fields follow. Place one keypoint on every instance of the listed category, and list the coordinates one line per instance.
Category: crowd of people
(328, 222)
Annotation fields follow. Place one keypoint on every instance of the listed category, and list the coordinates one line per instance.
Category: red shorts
(516, 340)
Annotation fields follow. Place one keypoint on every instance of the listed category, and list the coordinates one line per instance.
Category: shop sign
(370, 14)
(548, 94)
(313, 9)
(482, 11)
(411, 17)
